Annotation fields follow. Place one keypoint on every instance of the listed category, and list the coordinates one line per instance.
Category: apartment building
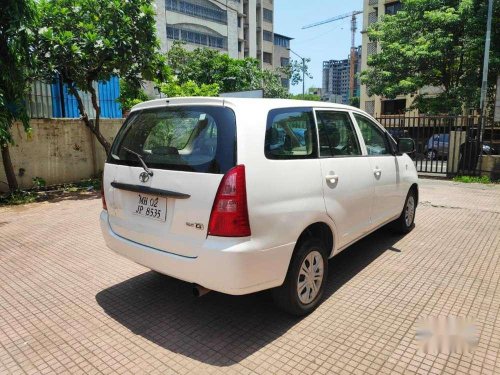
(281, 55)
(240, 28)
(336, 78)
(376, 105)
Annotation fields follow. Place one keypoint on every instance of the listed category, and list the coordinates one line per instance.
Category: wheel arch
(414, 187)
(320, 230)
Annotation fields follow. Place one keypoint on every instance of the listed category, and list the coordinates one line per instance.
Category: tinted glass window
(290, 134)
(197, 139)
(336, 134)
(374, 137)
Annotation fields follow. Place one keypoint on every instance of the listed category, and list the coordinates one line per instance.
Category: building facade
(240, 28)
(336, 79)
(281, 55)
(373, 10)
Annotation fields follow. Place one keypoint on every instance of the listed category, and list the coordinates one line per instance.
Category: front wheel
(406, 221)
(305, 281)
(431, 155)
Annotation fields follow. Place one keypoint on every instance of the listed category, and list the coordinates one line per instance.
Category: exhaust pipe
(199, 290)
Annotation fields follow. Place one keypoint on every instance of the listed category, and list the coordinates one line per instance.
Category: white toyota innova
(242, 195)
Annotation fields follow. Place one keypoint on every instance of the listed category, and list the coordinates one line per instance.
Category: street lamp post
(303, 71)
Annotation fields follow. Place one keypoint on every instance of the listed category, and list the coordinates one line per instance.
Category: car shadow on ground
(219, 329)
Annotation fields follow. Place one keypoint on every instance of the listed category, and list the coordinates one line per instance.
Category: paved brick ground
(67, 304)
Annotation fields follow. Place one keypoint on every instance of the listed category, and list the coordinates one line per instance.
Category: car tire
(303, 288)
(431, 154)
(406, 221)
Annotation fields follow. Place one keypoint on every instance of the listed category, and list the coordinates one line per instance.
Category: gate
(445, 145)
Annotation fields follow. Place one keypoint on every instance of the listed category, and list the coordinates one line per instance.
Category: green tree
(213, 69)
(438, 43)
(85, 41)
(130, 95)
(189, 88)
(311, 97)
(354, 101)
(17, 18)
(295, 69)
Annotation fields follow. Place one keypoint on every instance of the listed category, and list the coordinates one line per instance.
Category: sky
(331, 41)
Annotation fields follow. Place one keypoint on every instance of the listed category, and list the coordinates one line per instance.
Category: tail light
(229, 216)
(103, 197)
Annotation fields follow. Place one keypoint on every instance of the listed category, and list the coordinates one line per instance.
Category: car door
(348, 188)
(384, 166)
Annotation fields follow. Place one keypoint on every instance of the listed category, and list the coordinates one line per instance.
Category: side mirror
(406, 145)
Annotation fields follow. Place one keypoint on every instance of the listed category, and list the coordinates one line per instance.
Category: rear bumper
(223, 265)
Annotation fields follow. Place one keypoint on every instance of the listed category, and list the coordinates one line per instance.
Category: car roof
(263, 103)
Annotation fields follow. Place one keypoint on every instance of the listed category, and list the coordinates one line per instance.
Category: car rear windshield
(185, 138)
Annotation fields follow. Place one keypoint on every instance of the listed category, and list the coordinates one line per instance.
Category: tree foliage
(188, 88)
(433, 43)
(84, 41)
(219, 73)
(130, 95)
(17, 18)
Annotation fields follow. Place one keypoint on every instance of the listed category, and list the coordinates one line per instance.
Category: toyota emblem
(144, 177)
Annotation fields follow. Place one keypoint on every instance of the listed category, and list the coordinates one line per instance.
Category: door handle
(377, 172)
(332, 178)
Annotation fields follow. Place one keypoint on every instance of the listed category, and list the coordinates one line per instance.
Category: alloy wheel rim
(310, 277)
(410, 211)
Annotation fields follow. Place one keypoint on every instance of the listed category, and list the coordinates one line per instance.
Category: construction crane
(354, 27)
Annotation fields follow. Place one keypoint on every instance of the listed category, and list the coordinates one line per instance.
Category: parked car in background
(488, 149)
(437, 146)
(242, 195)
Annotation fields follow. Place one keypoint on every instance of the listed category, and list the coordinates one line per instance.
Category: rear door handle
(332, 178)
(377, 172)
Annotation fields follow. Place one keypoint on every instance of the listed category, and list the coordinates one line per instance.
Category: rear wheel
(304, 284)
(406, 221)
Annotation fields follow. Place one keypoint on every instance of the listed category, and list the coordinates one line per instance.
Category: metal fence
(446, 145)
(54, 101)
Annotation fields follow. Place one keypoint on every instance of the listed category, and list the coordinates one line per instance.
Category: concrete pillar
(456, 139)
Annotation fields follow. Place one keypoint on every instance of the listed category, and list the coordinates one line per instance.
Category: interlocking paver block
(70, 305)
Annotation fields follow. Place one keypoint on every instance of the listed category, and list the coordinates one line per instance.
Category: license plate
(151, 206)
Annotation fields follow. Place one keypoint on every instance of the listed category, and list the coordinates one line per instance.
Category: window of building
(372, 17)
(196, 37)
(393, 107)
(268, 15)
(267, 35)
(281, 41)
(267, 57)
(196, 9)
(285, 61)
(239, 21)
(374, 137)
(371, 48)
(336, 134)
(393, 8)
(370, 107)
(285, 82)
(290, 134)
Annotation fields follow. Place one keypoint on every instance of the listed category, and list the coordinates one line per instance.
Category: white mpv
(242, 195)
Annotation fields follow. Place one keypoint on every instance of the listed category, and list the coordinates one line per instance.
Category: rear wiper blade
(139, 156)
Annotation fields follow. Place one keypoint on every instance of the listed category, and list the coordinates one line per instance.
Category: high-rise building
(336, 82)
(240, 28)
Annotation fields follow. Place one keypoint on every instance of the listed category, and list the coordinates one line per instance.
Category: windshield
(186, 138)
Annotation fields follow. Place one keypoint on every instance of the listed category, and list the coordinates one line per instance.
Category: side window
(290, 134)
(336, 134)
(374, 137)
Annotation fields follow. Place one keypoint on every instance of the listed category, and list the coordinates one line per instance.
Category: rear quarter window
(186, 138)
(290, 134)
